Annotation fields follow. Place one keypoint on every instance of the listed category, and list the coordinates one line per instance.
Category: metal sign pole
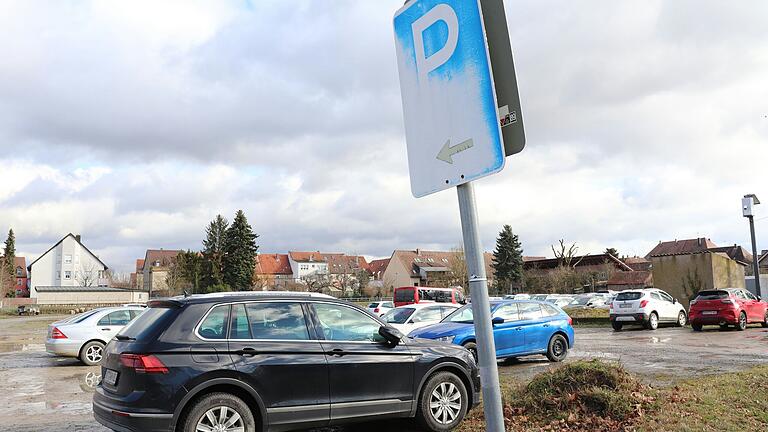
(481, 309)
(755, 256)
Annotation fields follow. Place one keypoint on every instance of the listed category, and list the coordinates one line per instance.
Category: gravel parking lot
(45, 393)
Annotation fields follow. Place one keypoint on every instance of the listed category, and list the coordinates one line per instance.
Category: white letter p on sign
(441, 12)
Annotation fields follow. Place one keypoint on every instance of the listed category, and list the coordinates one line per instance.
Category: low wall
(15, 302)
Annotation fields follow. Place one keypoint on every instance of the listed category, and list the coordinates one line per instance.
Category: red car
(728, 306)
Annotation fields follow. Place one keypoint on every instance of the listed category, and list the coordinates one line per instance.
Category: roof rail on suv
(262, 293)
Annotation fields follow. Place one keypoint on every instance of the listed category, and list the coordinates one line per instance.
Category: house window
(19, 282)
(67, 275)
(68, 259)
(18, 271)
(417, 260)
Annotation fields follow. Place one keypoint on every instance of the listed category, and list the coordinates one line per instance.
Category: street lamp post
(746, 205)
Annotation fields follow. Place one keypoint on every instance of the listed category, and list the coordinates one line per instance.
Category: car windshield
(712, 295)
(462, 315)
(399, 315)
(625, 296)
(83, 316)
(580, 301)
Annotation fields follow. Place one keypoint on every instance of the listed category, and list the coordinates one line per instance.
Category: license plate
(709, 313)
(625, 305)
(110, 377)
(625, 318)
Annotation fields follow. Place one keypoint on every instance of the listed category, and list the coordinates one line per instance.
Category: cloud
(135, 125)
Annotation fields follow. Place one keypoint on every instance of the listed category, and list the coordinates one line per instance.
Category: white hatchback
(84, 336)
(648, 307)
(379, 308)
(411, 317)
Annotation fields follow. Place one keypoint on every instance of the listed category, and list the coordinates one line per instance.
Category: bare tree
(87, 275)
(566, 255)
(317, 283)
(118, 280)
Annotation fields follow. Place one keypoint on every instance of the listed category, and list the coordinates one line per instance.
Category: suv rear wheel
(220, 412)
(617, 326)
(653, 321)
(443, 403)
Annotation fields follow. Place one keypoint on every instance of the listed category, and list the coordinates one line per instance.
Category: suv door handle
(247, 352)
(105, 329)
(519, 329)
(545, 325)
(338, 352)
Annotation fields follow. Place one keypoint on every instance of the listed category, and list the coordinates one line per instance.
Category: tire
(617, 326)
(213, 404)
(438, 409)
(557, 350)
(696, 327)
(765, 320)
(682, 319)
(742, 324)
(653, 321)
(472, 347)
(92, 353)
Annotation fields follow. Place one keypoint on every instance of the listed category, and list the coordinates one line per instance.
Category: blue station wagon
(520, 328)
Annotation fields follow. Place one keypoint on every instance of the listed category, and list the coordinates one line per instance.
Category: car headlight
(448, 339)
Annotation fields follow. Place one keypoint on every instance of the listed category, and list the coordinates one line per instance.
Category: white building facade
(67, 264)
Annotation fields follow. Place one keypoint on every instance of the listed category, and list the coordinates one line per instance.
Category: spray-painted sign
(452, 124)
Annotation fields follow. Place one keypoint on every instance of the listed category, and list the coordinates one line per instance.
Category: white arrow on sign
(447, 151)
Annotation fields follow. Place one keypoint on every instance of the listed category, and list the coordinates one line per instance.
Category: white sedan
(411, 317)
(84, 336)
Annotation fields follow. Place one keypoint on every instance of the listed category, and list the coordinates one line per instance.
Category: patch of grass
(587, 313)
(727, 402)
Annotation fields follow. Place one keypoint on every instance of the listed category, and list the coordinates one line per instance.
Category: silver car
(84, 336)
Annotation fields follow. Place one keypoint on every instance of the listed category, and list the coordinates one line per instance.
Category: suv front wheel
(219, 412)
(443, 403)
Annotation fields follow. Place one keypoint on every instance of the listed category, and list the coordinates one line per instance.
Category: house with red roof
(272, 271)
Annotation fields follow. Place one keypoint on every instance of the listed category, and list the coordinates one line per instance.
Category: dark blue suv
(275, 362)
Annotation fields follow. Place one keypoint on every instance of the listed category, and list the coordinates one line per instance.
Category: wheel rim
(445, 403)
(93, 353)
(743, 320)
(220, 419)
(681, 319)
(558, 348)
(654, 321)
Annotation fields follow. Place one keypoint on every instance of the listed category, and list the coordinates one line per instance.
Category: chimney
(418, 251)
(77, 237)
(699, 240)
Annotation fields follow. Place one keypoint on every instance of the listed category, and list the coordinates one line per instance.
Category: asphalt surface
(42, 393)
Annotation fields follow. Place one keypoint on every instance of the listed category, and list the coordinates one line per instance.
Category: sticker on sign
(452, 126)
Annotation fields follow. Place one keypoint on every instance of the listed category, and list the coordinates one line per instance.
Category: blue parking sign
(452, 124)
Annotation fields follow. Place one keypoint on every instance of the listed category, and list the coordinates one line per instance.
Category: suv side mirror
(497, 320)
(674, 301)
(391, 335)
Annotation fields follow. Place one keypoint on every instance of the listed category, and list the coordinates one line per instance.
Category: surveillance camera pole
(755, 257)
(481, 309)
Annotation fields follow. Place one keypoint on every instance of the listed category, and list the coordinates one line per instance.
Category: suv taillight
(693, 302)
(643, 304)
(376, 310)
(143, 363)
(57, 334)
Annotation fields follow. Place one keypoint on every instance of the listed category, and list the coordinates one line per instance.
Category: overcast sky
(135, 123)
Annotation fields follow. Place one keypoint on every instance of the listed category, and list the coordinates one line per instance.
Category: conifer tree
(213, 253)
(508, 260)
(240, 254)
